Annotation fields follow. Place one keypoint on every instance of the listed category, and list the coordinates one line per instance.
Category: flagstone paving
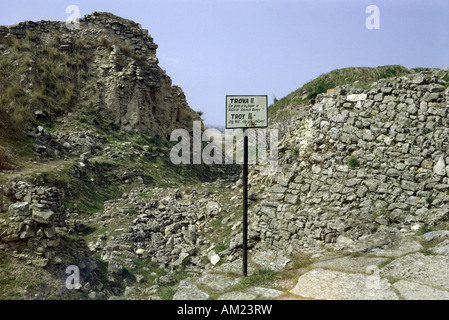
(383, 266)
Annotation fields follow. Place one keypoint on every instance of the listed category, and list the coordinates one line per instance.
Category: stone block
(20, 209)
(44, 217)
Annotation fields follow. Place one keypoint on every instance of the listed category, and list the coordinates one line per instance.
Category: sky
(214, 48)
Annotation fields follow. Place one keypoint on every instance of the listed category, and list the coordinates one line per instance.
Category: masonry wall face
(359, 161)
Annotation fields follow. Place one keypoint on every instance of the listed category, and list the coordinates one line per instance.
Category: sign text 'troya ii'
(246, 112)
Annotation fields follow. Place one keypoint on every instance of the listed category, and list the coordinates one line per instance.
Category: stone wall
(33, 223)
(34, 228)
(360, 160)
(93, 25)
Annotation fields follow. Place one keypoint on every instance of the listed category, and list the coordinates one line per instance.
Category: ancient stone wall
(360, 160)
(33, 223)
(93, 25)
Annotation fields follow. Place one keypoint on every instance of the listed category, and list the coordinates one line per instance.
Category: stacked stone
(60, 144)
(165, 229)
(34, 222)
(139, 39)
(361, 160)
(141, 43)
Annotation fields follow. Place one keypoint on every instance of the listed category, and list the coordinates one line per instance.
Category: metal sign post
(245, 204)
(245, 112)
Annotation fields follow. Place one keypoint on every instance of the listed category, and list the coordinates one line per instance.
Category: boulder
(335, 285)
(212, 208)
(429, 270)
(20, 209)
(44, 217)
(114, 268)
(440, 166)
(189, 291)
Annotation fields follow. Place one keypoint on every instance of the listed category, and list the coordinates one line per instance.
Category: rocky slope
(85, 118)
(103, 74)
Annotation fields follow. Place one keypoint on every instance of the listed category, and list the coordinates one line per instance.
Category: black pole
(245, 203)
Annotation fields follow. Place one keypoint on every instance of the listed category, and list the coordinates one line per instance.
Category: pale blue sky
(214, 48)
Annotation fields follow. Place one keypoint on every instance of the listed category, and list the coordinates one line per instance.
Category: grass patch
(364, 75)
(353, 163)
(85, 189)
(167, 292)
(295, 152)
(282, 103)
(301, 261)
(428, 252)
(55, 74)
(36, 77)
(3, 259)
(259, 277)
(424, 229)
(220, 247)
(102, 274)
(385, 263)
(4, 159)
(220, 230)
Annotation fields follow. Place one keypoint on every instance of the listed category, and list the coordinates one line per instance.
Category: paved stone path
(384, 266)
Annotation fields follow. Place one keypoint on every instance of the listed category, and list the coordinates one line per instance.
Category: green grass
(55, 74)
(302, 260)
(364, 75)
(282, 103)
(4, 159)
(220, 247)
(353, 162)
(425, 229)
(427, 245)
(427, 252)
(167, 292)
(385, 263)
(3, 259)
(102, 274)
(220, 234)
(295, 152)
(259, 277)
(36, 77)
(85, 189)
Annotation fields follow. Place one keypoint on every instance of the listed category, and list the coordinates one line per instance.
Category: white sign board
(246, 112)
